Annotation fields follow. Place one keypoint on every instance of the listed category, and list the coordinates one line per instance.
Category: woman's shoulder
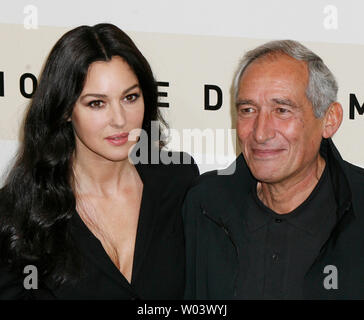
(175, 166)
(177, 162)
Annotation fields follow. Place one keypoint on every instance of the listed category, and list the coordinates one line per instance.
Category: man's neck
(285, 196)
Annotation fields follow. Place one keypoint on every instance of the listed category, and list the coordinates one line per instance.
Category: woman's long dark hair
(37, 200)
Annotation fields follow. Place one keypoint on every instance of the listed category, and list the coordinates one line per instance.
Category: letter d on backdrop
(218, 104)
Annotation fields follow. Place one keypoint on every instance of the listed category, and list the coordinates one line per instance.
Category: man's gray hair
(322, 87)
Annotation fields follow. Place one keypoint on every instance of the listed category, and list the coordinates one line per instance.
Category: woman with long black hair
(92, 223)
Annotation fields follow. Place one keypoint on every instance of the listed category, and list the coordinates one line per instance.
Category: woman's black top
(159, 257)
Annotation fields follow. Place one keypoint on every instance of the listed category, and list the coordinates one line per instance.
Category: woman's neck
(101, 177)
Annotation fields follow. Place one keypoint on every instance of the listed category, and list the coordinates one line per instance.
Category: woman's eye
(131, 97)
(96, 104)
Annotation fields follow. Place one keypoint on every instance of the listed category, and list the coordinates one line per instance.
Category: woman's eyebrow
(96, 95)
(131, 88)
(99, 95)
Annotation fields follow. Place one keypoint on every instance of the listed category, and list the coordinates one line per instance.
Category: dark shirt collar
(308, 216)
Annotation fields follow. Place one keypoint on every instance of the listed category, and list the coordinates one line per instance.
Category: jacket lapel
(231, 190)
(86, 241)
(152, 184)
(235, 188)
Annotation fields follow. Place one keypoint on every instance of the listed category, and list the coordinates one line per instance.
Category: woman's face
(110, 106)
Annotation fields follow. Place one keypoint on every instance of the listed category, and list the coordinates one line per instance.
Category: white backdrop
(190, 44)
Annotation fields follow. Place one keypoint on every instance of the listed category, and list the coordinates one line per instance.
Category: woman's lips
(118, 139)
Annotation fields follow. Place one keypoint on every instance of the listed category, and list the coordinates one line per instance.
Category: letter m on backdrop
(354, 104)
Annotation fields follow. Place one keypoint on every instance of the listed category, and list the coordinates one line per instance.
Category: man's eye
(131, 97)
(96, 104)
(246, 109)
(282, 110)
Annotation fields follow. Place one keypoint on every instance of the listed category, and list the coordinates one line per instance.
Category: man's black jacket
(214, 214)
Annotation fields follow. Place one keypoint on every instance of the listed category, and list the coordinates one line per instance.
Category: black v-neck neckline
(92, 247)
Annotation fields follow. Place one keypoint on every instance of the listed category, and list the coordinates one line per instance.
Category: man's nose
(263, 127)
(117, 115)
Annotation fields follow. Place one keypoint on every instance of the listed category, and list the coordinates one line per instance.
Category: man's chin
(266, 175)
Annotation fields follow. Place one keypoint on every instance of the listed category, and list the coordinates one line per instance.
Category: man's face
(278, 132)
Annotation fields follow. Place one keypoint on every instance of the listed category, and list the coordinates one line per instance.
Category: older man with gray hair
(289, 222)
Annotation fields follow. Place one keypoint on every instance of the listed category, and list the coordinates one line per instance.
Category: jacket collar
(339, 175)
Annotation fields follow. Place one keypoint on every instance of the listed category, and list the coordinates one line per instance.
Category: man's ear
(332, 119)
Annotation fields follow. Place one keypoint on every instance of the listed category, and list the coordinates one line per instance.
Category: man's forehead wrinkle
(285, 101)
